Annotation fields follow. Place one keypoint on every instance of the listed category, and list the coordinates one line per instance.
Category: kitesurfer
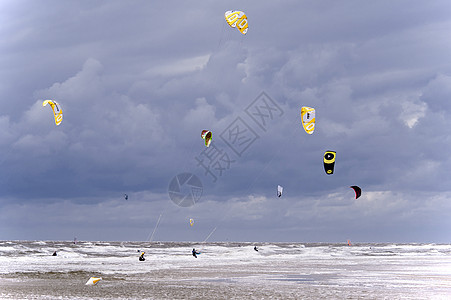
(255, 248)
(54, 253)
(195, 253)
(141, 257)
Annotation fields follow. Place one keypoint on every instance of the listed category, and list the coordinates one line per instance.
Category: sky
(138, 81)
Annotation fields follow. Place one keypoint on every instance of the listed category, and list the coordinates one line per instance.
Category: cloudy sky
(139, 80)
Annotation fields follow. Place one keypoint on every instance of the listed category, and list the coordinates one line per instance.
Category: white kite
(279, 191)
(93, 280)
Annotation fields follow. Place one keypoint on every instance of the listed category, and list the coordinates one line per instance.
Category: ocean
(224, 270)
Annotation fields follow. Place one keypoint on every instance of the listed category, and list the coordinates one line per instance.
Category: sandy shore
(283, 279)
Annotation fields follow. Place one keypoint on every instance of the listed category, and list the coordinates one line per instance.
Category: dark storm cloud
(138, 81)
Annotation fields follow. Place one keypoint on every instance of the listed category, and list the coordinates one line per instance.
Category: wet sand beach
(232, 272)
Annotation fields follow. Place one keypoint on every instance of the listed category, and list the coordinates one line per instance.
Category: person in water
(141, 257)
(54, 253)
(255, 248)
(195, 253)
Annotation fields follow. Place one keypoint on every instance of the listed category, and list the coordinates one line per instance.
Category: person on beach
(195, 253)
(141, 257)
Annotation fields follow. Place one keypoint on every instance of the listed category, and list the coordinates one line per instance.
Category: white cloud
(136, 95)
(181, 66)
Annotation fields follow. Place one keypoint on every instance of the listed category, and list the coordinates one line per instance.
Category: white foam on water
(387, 270)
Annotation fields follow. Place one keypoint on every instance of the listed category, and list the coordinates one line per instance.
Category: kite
(308, 119)
(238, 19)
(57, 112)
(279, 191)
(93, 280)
(329, 162)
(357, 190)
(207, 136)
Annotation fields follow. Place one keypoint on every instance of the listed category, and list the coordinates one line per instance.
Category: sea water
(224, 270)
